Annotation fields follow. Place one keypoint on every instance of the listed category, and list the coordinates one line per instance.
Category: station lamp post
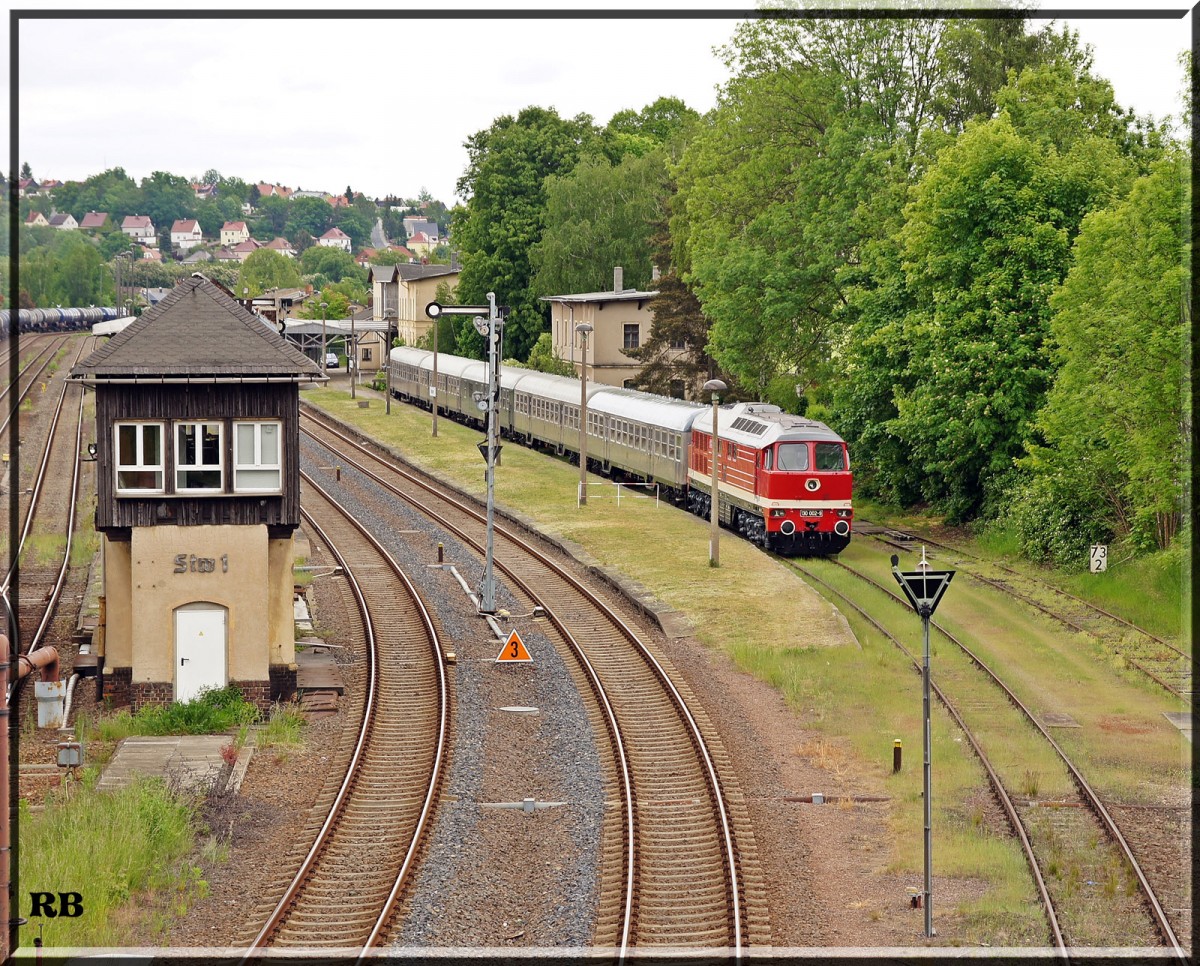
(324, 306)
(352, 358)
(387, 362)
(584, 329)
(716, 387)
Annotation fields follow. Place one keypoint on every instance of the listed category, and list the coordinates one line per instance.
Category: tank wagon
(785, 481)
(56, 319)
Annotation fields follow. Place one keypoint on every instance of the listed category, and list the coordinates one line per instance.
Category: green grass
(43, 549)
(284, 729)
(111, 847)
(213, 712)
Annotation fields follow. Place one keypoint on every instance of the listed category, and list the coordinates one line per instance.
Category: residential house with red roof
(140, 229)
(281, 245)
(35, 219)
(94, 221)
(186, 234)
(335, 238)
(233, 233)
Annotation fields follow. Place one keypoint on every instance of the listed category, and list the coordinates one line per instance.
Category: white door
(199, 649)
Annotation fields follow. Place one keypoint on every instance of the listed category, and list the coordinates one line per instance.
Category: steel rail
(30, 511)
(1050, 586)
(1002, 795)
(696, 737)
(1158, 914)
(352, 776)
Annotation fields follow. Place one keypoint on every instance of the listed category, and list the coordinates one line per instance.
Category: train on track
(56, 320)
(785, 481)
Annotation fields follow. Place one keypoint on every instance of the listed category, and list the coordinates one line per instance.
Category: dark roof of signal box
(198, 331)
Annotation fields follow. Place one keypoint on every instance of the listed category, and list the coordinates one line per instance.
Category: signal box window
(140, 464)
(257, 463)
(830, 456)
(633, 335)
(792, 456)
(198, 457)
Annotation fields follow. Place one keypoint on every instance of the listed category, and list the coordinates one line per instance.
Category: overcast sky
(384, 105)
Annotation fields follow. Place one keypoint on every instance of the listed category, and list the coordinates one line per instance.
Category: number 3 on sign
(514, 649)
(1099, 557)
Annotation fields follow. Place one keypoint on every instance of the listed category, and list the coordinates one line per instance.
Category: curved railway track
(1164, 663)
(348, 883)
(681, 856)
(1088, 796)
(55, 486)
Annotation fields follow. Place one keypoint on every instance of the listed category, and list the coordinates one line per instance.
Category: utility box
(70, 754)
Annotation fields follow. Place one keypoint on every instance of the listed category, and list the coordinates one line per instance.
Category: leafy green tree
(597, 217)
(273, 212)
(26, 170)
(543, 359)
(988, 237)
(167, 197)
(639, 132)
(334, 263)
(267, 269)
(505, 215)
(312, 215)
(355, 224)
(338, 306)
(1114, 438)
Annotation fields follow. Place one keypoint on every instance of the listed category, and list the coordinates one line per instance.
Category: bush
(212, 712)
(1050, 526)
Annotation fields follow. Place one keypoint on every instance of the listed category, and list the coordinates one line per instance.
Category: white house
(140, 229)
(335, 238)
(63, 221)
(186, 234)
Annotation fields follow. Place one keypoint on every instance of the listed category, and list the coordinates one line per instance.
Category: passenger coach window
(830, 456)
(793, 456)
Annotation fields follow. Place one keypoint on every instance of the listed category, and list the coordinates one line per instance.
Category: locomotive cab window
(792, 457)
(830, 456)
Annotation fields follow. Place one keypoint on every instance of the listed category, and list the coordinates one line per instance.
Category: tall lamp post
(433, 386)
(584, 329)
(352, 358)
(324, 306)
(716, 387)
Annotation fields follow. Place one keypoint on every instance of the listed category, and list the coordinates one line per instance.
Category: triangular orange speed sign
(514, 649)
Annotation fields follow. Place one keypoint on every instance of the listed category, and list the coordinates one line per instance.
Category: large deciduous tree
(505, 215)
(265, 269)
(1115, 434)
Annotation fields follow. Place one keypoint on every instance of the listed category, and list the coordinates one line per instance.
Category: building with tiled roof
(35, 219)
(197, 418)
(140, 229)
(94, 220)
(401, 292)
(233, 232)
(186, 234)
(335, 238)
(63, 221)
(243, 250)
(281, 245)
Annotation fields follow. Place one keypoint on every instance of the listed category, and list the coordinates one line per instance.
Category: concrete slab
(1181, 720)
(194, 762)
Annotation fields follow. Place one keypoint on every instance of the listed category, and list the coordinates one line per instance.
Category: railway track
(679, 870)
(40, 557)
(372, 829)
(1160, 660)
(1088, 801)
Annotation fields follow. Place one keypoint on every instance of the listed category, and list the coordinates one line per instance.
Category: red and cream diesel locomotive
(785, 480)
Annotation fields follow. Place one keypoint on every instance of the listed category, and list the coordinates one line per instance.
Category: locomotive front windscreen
(830, 456)
(792, 456)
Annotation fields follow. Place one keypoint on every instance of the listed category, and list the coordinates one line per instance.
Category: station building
(197, 498)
